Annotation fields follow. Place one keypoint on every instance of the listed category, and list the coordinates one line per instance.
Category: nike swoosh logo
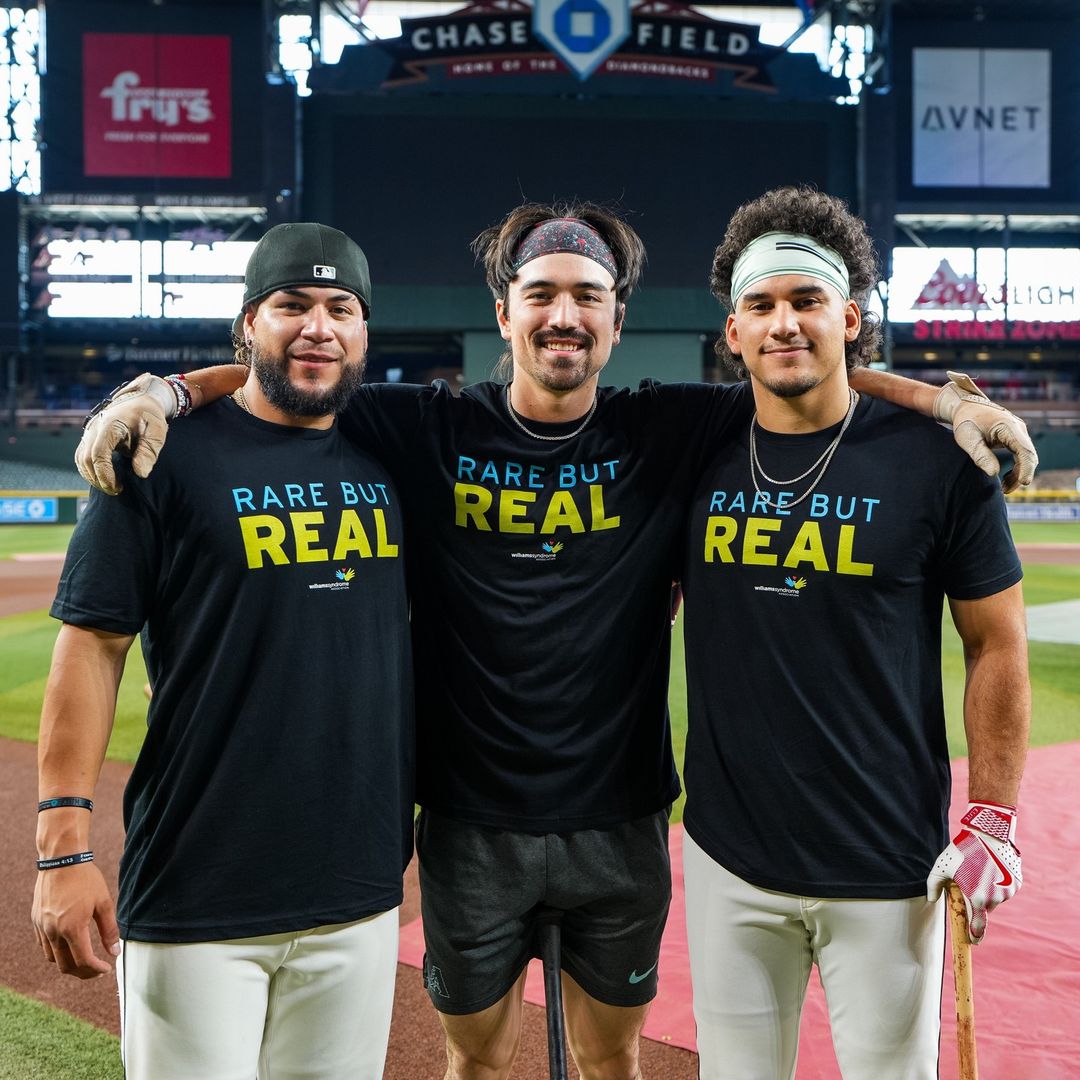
(1006, 877)
(636, 978)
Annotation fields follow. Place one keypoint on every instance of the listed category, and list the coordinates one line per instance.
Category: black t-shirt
(540, 574)
(816, 756)
(264, 566)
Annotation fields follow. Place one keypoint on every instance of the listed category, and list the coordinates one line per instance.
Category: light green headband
(776, 253)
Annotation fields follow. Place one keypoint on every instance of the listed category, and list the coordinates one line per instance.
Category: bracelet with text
(65, 860)
(66, 800)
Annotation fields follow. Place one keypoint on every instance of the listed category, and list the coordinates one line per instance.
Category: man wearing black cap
(269, 813)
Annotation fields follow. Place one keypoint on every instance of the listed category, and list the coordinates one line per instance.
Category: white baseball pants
(311, 1005)
(751, 951)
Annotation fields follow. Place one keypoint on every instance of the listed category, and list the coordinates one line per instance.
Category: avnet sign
(582, 33)
(981, 118)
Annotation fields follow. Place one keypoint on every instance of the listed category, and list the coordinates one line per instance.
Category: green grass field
(42, 1043)
(33, 539)
(46, 1044)
(1046, 532)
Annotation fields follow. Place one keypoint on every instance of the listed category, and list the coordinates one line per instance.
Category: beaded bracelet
(66, 800)
(65, 860)
(183, 395)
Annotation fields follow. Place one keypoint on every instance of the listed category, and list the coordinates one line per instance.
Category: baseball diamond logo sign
(582, 33)
(504, 45)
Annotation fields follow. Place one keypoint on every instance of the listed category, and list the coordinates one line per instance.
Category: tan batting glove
(979, 425)
(135, 419)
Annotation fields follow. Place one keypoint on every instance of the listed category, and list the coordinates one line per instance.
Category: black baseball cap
(304, 253)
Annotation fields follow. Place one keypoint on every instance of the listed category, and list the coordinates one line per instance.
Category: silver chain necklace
(823, 461)
(550, 438)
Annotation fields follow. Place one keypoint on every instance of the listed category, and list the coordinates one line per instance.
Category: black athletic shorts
(480, 889)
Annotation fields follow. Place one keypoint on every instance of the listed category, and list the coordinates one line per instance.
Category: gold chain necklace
(238, 397)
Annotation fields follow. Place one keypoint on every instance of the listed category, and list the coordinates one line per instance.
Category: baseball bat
(965, 1003)
(549, 929)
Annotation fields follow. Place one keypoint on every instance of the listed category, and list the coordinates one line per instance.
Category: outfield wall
(41, 507)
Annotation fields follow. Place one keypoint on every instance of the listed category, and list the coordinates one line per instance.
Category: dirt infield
(28, 584)
(1061, 554)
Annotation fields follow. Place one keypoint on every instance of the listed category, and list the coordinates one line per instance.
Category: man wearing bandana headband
(543, 514)
(827, 531)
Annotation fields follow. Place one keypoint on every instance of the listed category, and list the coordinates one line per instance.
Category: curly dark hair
(828, 220)
(496, 246)
(241, 351)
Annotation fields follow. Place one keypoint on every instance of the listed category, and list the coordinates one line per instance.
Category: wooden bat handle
(965, 1004)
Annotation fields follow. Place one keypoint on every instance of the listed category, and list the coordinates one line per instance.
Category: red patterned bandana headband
(565, 235)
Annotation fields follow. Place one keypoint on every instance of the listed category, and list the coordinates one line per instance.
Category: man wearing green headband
(545, 514)
(823, 538)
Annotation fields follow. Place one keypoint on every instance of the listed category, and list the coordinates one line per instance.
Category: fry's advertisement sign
(157, 105)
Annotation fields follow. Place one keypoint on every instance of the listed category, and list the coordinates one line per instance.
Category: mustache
(578, 337)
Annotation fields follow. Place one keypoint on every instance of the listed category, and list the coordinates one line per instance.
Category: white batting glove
(983, 861)
(134, 418)
(979, 425)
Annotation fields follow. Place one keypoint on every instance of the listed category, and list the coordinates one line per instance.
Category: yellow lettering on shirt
(351, 537)
(530, 512)
(845, 564)
(383, 548)
(807, 547)
(513, 506)
(562, 512)
(471, 502)
(263, 536)
(305, 535)
(754, 540)
(596, 504)
(719, 533)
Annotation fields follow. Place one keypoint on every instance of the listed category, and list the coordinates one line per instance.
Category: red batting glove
(983, 861)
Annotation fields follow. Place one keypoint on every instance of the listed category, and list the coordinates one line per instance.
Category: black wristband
(66, 800)
(65, 860)
(104, 403)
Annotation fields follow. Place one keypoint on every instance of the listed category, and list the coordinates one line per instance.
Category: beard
(793, 382)
(567, 373)
(283, 394)
(803, 385)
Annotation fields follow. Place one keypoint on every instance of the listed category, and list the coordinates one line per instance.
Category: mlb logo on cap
(288, 257)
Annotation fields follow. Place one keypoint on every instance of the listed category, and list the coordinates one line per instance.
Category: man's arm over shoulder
(76, 722)
(383, 418)
(979, 425)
